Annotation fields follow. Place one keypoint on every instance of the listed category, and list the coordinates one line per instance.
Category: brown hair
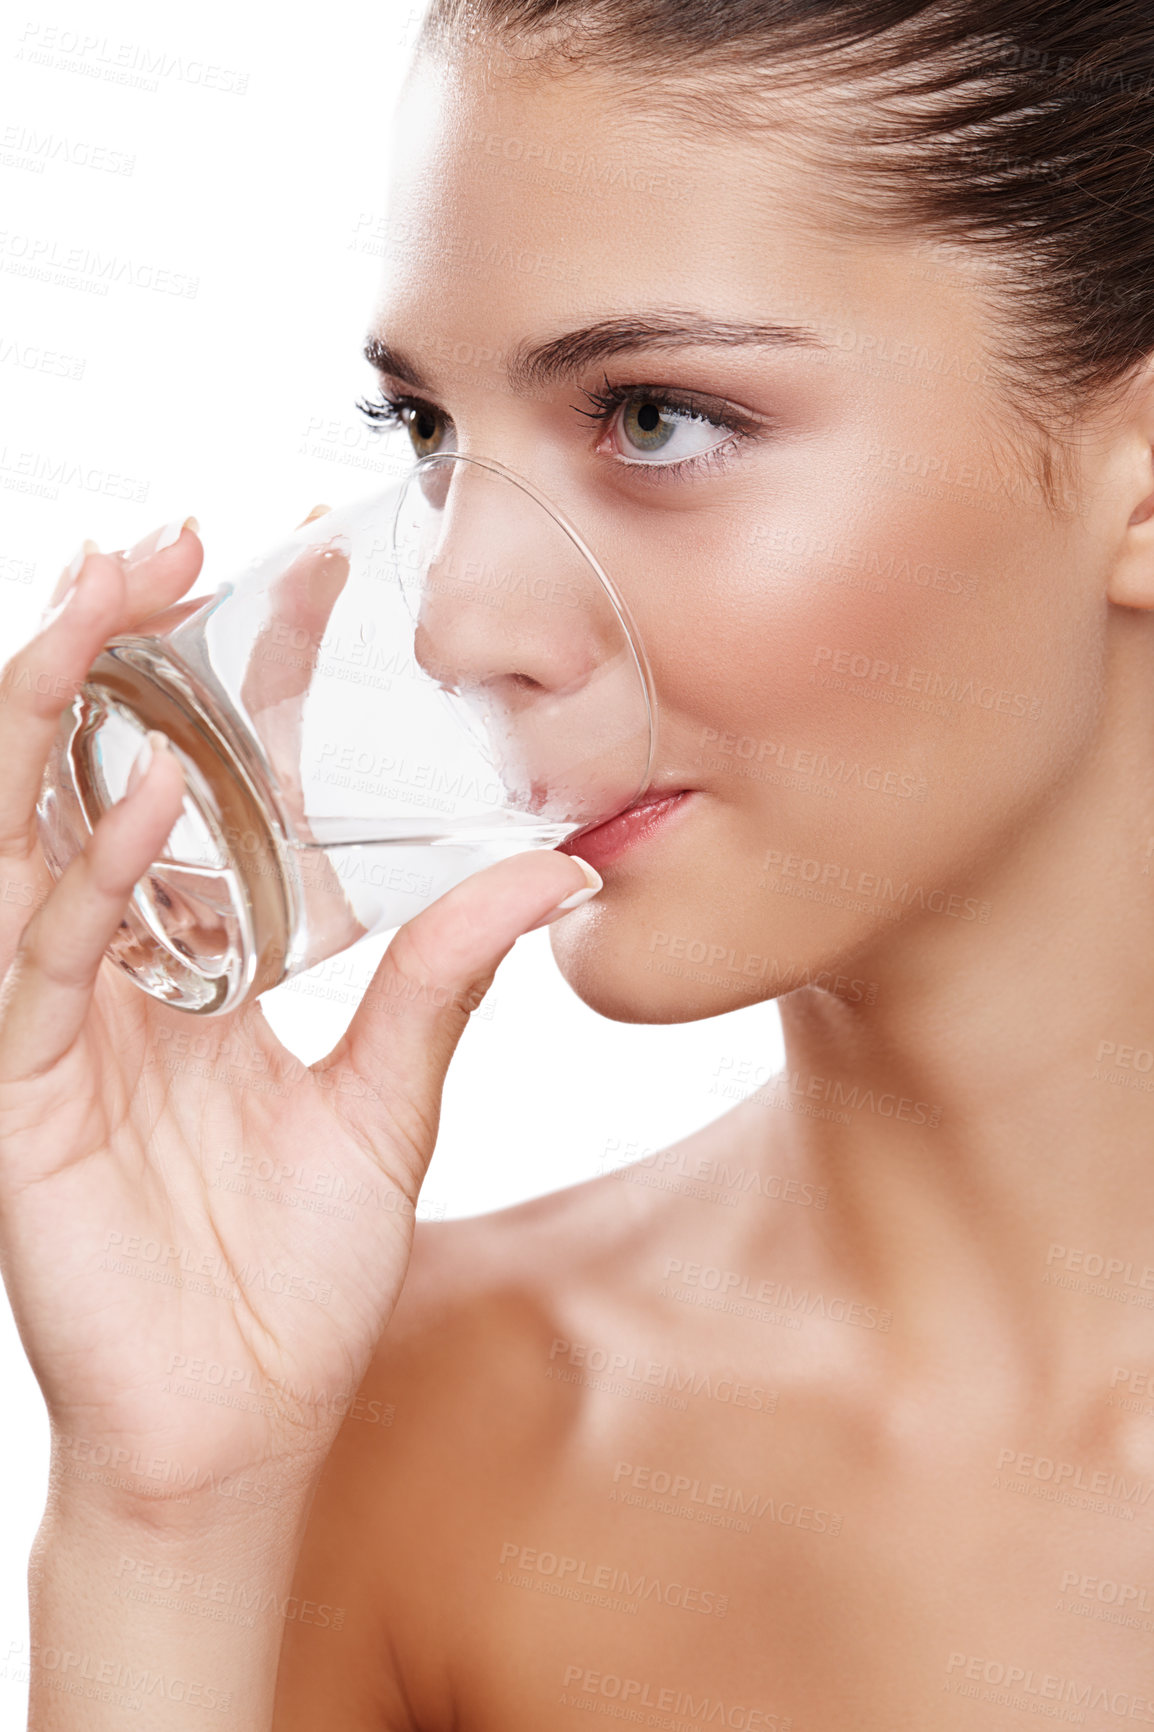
(1021, 128)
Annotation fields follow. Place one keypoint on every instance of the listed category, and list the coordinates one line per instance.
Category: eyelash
(388, 411)
(716, 458)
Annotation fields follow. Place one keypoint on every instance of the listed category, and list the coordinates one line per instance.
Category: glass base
(209, 923)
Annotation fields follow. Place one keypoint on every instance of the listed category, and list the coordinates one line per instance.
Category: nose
(514, 621)
(508, 604)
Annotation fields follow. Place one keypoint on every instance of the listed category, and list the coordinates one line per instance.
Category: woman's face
(874, 647)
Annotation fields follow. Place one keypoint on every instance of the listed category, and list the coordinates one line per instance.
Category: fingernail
(153, 742)
(317, 511)
(172, 532)
(158, 539)
(594, 883)
(71, 572)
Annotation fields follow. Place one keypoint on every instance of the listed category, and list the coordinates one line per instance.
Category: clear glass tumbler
(403, 690)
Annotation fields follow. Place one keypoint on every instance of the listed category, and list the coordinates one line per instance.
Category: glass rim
(617, 601)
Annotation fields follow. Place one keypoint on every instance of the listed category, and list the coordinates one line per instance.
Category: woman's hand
(202, 1238)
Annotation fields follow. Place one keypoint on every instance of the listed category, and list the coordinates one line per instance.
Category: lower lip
(608, 841)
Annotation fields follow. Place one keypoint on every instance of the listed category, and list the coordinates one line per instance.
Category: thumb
(435, 972)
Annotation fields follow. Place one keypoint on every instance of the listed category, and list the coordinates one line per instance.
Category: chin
(624, 983)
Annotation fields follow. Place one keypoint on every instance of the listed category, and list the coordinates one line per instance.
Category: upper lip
(651, 797)
(654, 793)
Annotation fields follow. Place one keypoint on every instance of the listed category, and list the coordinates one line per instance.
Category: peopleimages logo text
(931, 682)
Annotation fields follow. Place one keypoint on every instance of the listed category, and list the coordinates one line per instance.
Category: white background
(241, 156)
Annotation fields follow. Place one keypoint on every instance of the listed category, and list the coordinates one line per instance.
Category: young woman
(838, 320)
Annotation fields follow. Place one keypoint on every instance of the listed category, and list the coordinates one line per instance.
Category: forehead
(519, 206)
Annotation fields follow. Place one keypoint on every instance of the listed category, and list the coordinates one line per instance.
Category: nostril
(510, 694)
(510, 682)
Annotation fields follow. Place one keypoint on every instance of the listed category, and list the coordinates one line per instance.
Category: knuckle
(409, 960)
(451, 932)
(104, 871)
(19, 841)
(56, 952)
(410, 978)
(30, 942)
(33, 932)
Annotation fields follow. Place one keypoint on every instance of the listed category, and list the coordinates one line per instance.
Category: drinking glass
(415, 684)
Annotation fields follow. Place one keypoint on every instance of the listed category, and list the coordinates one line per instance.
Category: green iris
(653, 428)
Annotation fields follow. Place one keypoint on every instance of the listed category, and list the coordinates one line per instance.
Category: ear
(1131, 582)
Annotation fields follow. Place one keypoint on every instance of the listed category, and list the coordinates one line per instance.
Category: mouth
(637, 823)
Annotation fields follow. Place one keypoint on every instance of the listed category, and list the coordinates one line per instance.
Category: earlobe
(1132, 577)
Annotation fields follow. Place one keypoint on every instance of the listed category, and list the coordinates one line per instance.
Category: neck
(985, 1128)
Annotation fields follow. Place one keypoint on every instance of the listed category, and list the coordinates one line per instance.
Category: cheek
(923, 650)
(871, 708)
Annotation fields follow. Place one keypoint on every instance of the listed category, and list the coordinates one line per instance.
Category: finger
(48, 988)
(158, 569)
(282, 662)
(38, 685)
(435, 972)
(301, 602)
(284, 652)
(98, 596)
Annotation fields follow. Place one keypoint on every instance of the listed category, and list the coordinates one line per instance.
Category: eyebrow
(558, 360)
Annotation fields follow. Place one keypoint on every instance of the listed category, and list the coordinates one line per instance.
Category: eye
(652, 426)
(421, 420)
(423, 423)
(672, 433)
(664, 435)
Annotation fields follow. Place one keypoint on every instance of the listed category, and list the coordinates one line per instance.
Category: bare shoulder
(485, 1301)
(486, 1296)
(471, 1418)
(455, 1420)
(484, 1283)
(519, 1266)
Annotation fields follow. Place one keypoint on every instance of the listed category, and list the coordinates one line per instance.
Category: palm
(149, 1235)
